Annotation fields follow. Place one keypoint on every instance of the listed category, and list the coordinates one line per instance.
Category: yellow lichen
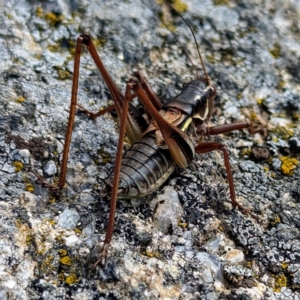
(220, 2)
(249, 264)
(280, 282)
(48, 260)
(211, 59)
(260, 101)
(18, 166)
(281, 84)
(18, 223)
(288, 165)
(246, 151)
(269, 160)
(20, 99)
(41, 251)
(284, 265)
(276, 50)
(284, 132)
(54, 47)
(78, 231)
(61, 276)
(43, 238)
(52, 222)
(296, 115)
(62, 252)
(275, 220)
(55, 180)
(52, 200)
(63, 44)
(53, 18)
(71, 279)
(39, 12)
(60, 239)
(266, 168)
(166, 16)
(180, 6)
(182, 224)
(29, 188)
(100, 42)
(151, 254)
(29, 239)
(62, 74)
(106, 157)
(253, 116)
(66, 260)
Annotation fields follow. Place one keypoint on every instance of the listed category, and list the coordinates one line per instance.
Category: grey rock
(68, 218)
(50, 168)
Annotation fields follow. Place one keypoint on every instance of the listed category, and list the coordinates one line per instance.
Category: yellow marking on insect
(186, 124)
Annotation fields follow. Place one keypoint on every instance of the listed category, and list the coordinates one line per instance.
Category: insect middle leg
(226, 128)
(205, 147)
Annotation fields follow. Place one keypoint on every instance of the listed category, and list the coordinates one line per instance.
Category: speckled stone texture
(184, 241)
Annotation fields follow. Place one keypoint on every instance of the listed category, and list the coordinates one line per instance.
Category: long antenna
(174, 36)
(198, 49)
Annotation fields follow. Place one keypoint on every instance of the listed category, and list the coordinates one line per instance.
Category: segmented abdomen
(144, 168)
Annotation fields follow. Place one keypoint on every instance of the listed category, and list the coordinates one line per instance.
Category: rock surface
(251, 50)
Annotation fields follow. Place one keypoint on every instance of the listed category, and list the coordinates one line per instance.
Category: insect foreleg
(147, 88)
(115, 185)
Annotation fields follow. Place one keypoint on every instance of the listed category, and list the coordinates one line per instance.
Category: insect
(168, 138)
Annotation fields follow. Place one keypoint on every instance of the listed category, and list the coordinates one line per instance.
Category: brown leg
(214, 130)
(205, 147)
(63, 171)
(115, 185)
(147, 88)
(85, 39)
(93, 115)
(100, 113)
